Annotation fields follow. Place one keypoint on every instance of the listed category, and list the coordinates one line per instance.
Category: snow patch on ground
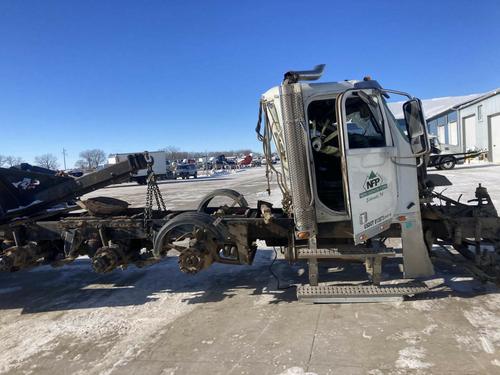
(412, 358)
(426, 305)
(468, 343)
(410, 336)
(487, 345)
(121, 331)
(488, 325)
(297, 371)
(430, 329)
(264, 299)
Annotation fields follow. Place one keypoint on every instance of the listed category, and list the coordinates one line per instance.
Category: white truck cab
(348, 167)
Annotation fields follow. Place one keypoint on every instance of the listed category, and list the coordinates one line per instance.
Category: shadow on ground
(76, 286)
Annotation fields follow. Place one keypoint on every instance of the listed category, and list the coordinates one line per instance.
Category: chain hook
(152, 191)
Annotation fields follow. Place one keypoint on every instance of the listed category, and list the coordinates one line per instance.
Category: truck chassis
(350, 179)
(114, 236)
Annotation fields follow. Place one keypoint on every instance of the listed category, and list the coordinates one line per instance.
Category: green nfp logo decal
(373, 184)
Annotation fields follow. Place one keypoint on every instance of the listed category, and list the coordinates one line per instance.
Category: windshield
(400, 124)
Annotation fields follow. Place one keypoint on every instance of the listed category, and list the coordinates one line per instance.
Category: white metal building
(464, 123)
(480, 124)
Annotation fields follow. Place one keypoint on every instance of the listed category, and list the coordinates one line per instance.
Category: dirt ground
(234, 320)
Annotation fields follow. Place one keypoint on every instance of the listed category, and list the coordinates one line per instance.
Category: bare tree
(2, 160)
(91, 159)
(10, 161)
(48, 161)
(174, 153)
(81, 164)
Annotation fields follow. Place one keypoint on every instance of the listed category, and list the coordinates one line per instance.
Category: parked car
(256, 162)
(186, 170)
(219, 162)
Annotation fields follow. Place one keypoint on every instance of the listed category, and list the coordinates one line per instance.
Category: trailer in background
(445, 156)
(161, 166)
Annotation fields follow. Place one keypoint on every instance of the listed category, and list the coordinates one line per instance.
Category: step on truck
(350, 178)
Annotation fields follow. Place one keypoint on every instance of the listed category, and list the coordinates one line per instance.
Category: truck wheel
(196, 175)
(448, 162)
(237, 198)
(195, 235)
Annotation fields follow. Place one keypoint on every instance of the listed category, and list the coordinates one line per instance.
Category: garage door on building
(469, 124)
(441, 134)
(453, 133)
(495, 138)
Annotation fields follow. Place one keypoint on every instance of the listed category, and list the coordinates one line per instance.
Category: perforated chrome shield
(296, 150)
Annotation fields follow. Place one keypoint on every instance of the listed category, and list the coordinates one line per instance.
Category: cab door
(369, 170)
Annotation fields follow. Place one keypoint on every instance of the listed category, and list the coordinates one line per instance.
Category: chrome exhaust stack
(304, 75)
(296, 139)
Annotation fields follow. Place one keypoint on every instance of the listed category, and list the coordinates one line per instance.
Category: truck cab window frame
(324, 143)
(364, 128)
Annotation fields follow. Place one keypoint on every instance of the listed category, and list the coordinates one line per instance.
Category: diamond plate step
(358, 293)
(346, 253)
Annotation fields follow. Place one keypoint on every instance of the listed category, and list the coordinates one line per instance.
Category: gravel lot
(233, 320)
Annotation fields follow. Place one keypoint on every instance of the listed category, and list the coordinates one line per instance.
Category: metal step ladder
(372, 257)
(348, 252)
(358, 293)
(344, 293)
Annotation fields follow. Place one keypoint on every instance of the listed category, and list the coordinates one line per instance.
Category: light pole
(64, 157)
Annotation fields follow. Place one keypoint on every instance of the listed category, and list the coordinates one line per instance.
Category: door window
(364, 128)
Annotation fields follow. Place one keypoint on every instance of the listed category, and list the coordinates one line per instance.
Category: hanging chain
(152, 191)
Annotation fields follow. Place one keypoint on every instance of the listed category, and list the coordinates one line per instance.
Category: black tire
(448, 162)
(229, 193)
(196, 175)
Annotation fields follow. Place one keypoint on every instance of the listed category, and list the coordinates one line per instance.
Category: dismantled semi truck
(350, 178)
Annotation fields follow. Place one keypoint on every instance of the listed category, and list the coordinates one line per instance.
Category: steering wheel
(322, 142)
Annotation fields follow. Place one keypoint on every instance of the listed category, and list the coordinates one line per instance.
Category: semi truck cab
(350, 170)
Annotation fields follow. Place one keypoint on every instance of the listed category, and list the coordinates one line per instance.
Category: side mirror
(415, 125)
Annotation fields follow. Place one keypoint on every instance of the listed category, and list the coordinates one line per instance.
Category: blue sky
(135, 75)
